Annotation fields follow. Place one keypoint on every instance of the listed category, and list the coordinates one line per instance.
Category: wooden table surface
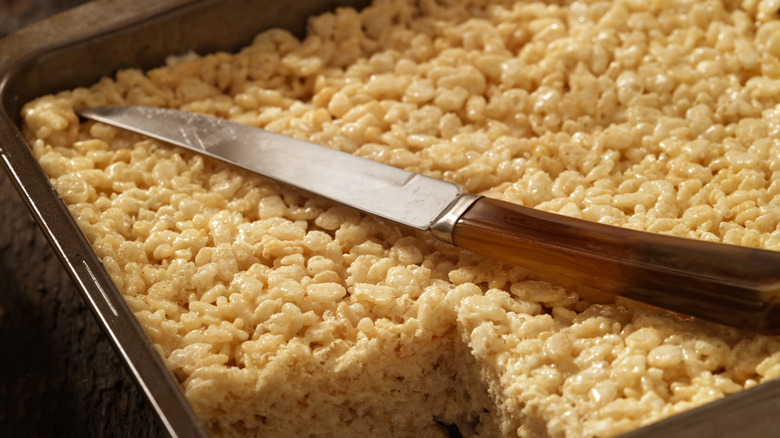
(59, 375)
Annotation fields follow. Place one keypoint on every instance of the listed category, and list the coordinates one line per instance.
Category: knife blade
(404, 197)
(727, 284)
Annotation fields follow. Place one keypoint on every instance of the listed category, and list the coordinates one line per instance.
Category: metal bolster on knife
(444, 224)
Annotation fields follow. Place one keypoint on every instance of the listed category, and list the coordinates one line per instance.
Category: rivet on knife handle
(729, 284)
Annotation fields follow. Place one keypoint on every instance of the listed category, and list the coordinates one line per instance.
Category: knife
(727, 284)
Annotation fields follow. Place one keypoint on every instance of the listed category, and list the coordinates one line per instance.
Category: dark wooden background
(59, 375)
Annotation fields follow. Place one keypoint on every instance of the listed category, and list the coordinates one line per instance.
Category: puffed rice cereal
(285, 315)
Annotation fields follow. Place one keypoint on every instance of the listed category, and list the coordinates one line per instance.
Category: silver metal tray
(78, 47)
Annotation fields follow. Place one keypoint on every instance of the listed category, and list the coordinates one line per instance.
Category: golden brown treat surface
(285, 315)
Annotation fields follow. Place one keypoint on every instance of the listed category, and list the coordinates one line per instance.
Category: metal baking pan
(80, 46)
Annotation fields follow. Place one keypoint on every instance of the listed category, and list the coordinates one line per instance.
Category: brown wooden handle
(728, 284)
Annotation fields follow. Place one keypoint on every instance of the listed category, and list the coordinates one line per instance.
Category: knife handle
(723, 283)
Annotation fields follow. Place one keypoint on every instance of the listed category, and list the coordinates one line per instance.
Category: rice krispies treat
(284, 315)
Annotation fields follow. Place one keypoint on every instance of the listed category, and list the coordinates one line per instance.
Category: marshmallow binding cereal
(285, 315)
